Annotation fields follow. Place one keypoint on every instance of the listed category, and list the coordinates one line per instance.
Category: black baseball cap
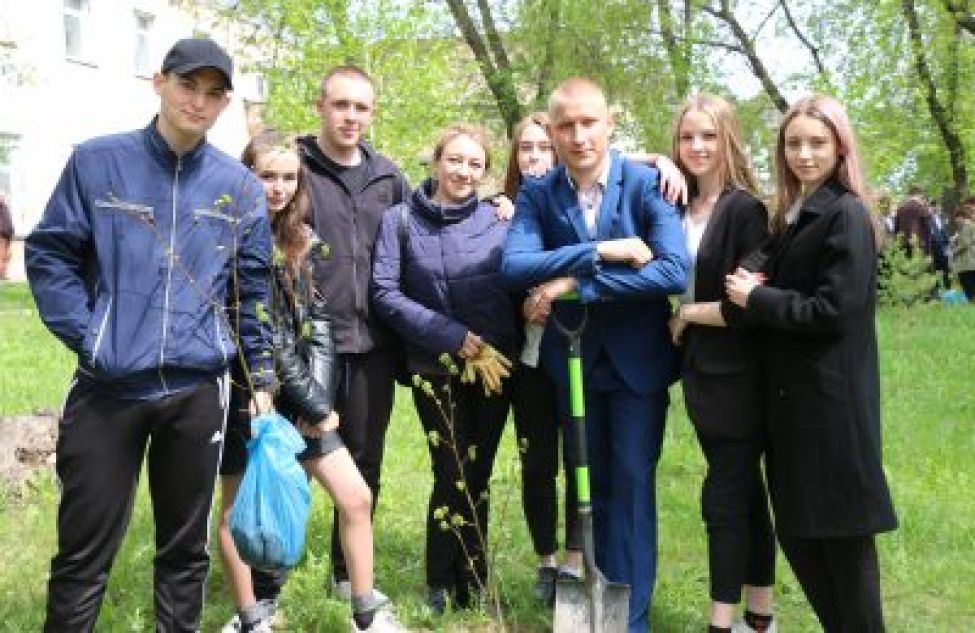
(194, 53)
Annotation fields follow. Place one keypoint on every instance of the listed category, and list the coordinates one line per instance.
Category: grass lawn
(929, 420)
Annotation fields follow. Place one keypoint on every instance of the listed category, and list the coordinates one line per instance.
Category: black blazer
(720, 371)
(822, 384)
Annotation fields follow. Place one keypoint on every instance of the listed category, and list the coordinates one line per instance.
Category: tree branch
(953, 143)
(501, 60)
(813, 50)
(747, 48)
(544, 82)
(963, 13)
(499, 81)
(676, 53)
(733, 48)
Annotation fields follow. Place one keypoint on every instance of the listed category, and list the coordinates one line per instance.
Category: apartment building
(73, 69)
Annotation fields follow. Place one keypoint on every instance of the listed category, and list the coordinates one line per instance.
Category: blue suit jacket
(628, 307)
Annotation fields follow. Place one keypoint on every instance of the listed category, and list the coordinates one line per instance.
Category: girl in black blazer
(724, 223)
(827, 483)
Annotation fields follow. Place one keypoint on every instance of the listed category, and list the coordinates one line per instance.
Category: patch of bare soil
(27, 446)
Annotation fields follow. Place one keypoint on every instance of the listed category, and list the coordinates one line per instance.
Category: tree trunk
(952, 141)
(726, 15)
(677, 52)
(496, 72)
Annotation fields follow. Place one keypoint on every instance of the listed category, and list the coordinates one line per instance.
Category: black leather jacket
(304, 350)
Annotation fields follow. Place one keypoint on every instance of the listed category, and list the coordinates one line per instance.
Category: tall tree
(492, 57)
(940, 113)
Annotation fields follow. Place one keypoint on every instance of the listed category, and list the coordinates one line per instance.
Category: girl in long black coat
(723, 224)
(829, 492)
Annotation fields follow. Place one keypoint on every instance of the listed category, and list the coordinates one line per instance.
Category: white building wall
(50, 102)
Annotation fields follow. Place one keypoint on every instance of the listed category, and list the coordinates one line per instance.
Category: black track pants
(365, 402)
(99, 454)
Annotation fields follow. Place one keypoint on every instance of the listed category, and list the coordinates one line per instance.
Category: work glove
(490, 366)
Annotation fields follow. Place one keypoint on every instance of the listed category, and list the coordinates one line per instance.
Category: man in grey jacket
(349, 187)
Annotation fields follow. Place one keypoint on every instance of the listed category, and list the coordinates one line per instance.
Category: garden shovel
(593, 604)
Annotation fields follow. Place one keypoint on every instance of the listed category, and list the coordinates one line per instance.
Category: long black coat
(720, 370)
(820, 358)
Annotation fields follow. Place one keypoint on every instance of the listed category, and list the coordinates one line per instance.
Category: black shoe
(545, 585)
(466, 595)
(437, 599)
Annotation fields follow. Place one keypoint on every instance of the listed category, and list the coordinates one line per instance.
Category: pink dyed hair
(848, 169)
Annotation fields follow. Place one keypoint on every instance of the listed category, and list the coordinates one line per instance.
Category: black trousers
(967, 280)
(735, 508)
(538, 426)
(100, 449)
(478, 423)
(841, 580)
(364, 404)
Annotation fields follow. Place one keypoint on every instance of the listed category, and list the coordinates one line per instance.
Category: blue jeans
(624, 433)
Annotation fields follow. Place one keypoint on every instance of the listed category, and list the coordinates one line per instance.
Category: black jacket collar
(422, 203)
(315, 159)
(824, 197)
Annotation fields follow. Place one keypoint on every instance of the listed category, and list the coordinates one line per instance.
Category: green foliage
(927, 409)
(905, 280)
(423, 73)
(31, 376)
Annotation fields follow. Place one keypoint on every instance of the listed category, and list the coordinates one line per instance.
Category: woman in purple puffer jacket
(436, 281)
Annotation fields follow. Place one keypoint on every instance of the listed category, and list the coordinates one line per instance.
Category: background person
(349, 187)
(912, 222)
(723, 224)
(827, 481)
(6, 236)
(442, 292)
(963, 248)
(132, 266)
(306, 374)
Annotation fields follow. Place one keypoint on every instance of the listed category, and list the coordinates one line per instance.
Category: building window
(75, 23)
(143, 43)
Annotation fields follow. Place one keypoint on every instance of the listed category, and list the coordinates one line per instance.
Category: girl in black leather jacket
(306, 386)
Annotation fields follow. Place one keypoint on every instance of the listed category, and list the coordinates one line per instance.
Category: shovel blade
(594, 608)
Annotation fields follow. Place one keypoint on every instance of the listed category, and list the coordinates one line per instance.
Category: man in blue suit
(597, 225)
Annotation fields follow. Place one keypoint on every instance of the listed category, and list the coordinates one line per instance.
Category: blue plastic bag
(270, 511)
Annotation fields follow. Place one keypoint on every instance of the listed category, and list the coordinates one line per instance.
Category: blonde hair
(574, 88)
(830, 112)
(475, 132)
(734, 166)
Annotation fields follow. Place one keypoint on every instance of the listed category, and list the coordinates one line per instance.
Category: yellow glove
(492, 367)
(468, 375)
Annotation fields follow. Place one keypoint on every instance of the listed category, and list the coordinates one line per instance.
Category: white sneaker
(270, 619)
(383, 622)
(740, 626)
(233, 626)
(343, 591)
(264, 626)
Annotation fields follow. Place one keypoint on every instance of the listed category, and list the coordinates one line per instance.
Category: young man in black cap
(147, 239)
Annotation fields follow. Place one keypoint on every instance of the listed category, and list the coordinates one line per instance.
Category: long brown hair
(735, 169)
(848, 170)
(512, 177)
(289, 224)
